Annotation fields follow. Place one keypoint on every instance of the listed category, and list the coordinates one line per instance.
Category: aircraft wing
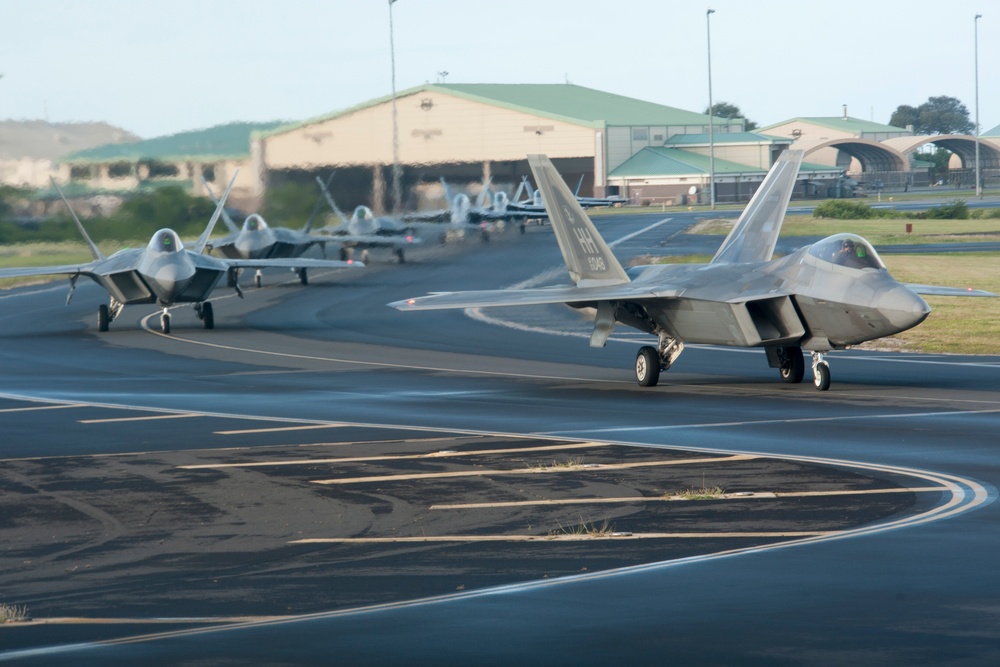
(756, 232)
(375, 240)
(28, 271)
(536, 296)
(936, 290)
(292, 263)
(439, 215)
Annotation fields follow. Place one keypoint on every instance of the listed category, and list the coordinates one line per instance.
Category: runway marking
(560, 537)
(771, 422)
(756, 495)
(45, 407)
(393, 457)
(281, 429)
(200, 620)
(546, 470)
(113, 420)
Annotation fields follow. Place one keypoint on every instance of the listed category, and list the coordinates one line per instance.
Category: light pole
(711, 118)
(979, 183)
(397, 191)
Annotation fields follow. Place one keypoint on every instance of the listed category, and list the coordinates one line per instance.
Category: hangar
(470, 132)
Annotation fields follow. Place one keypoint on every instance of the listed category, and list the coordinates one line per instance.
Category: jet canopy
(254, 223)
(165, 240)
(363, 213)
(848, 250)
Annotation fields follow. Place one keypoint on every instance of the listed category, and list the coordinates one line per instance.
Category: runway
(331, 361)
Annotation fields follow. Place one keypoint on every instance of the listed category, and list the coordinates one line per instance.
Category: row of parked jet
(826, 296)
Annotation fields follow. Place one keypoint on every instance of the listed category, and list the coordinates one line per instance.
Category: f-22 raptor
(826, 296)
(164, 272)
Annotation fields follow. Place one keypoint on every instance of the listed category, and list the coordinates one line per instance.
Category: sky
(165, 66)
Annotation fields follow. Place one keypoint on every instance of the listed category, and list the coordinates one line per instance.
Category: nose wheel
(165, 321)
(821, 372)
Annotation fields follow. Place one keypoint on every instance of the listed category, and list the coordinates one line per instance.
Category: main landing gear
(303, 275)
(205, 314)
(651, 361)
(107, 313)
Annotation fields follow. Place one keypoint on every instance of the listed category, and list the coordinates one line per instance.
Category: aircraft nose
(903, 307)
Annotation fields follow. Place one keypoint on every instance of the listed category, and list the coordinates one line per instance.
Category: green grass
(878, 232)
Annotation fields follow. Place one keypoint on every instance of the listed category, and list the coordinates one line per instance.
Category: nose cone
(903, 308)
(250, 247)
(170, 280)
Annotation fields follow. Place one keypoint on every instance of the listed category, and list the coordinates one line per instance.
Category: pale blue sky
(158, 67)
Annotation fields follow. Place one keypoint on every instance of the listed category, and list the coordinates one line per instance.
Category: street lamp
(711, 118)
(979, 183)
(397, 192)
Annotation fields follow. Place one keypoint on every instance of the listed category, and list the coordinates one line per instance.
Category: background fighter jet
(464, 216)
(164, 272)
(258, 240)
(366, 230)
(822, 297)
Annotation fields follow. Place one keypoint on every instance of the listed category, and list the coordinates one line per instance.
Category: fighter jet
(366, 230)
(826, 296)
(164, 272)
(463, 216)
(258, 240)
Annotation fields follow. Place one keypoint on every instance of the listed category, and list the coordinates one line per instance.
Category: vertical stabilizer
(588, 258)
(94, 250)
(756, 232)
(202, 241)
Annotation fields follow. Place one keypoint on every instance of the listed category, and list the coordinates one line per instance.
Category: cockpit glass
(166, 240)
(848, 250)
(254, 223)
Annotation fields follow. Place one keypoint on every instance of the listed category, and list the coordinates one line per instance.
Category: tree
(938, 115)
(730, 111)
(905, 115)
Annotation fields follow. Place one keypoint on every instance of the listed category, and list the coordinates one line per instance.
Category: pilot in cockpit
(851, 255)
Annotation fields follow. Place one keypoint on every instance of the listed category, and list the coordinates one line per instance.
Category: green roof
(560, 101)
(230, 141)
(995, 132)
(854, 125)
(724, 138)
(665, 161)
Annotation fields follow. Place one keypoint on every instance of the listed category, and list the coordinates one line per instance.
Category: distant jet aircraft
(164, 272)
(535, 202)
(366, 230)
(258, 240)
(826, 296)
(464, 216)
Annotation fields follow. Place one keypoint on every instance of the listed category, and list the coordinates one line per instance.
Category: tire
(258, 280)
(103, 317)
(364, 256)
(344, 254)
(793, 368)
(303, 276)
(401, 256)
(821, 376)
(207, 316)
(524, 228)
(165, 323)
(647, 366)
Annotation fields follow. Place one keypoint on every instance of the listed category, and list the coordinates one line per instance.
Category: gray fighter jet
(826, 296)
(258, 240)
(164, 272)
(365, 230)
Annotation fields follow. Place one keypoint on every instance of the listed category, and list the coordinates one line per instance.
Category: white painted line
(114, 420)
(281, 429)
(45, 407)
(559, 537)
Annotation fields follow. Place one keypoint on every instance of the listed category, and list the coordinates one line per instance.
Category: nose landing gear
(821, 372)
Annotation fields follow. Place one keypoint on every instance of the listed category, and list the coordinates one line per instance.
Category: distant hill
(37, 139)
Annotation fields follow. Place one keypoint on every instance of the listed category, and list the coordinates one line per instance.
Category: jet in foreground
(164, 272)
(826, 296)
(258, 240)
(366, 230)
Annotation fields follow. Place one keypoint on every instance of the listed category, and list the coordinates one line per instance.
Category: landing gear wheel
(524, 228)
(821, 376)
(345, 254)
(303, 276)
(793, 366)
(258, 279)
(364, 255)
(103, 317)
(486, 236)
(207, 316)
(165, 323)
(647, 366)
(401, 256)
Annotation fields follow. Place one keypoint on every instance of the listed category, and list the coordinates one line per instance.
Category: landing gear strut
(651, 361)
(258, 278)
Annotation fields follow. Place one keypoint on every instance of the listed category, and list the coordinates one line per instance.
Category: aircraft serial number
(596, 263)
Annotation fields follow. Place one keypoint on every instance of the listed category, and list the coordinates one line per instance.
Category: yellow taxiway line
(591, 467)
(765, 495)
